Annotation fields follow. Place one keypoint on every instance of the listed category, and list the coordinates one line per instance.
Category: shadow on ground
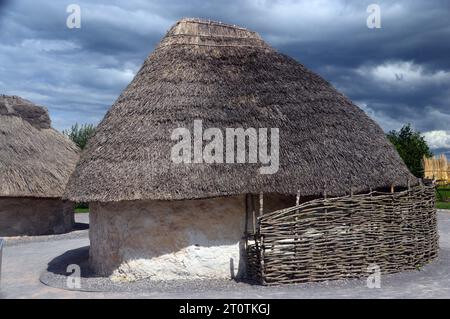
(79, 257)
(60, 274)
(80, 226)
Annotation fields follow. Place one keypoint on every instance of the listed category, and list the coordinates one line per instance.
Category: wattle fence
(337, 238)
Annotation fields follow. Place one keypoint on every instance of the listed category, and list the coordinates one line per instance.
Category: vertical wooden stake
(351, 186)
(261, 238)
(253, 216)
(261, 203)
(296, 239)
(247, 213)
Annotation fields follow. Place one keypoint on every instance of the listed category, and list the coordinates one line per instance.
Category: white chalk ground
(25, 260)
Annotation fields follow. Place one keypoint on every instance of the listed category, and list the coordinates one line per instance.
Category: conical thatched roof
(35, 159)
(229, 77)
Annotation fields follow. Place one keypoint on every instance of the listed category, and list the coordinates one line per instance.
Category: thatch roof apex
(229, 77)
(210, 23)
(35, 159)
(201, 32)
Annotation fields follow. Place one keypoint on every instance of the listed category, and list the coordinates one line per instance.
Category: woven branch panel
(337, 238)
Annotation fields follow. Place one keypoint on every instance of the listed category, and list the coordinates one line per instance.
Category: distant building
(35, 164)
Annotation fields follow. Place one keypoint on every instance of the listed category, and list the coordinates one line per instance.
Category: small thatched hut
(35, 164)
(151, 217)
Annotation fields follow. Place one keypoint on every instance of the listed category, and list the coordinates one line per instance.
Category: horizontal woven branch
(337, 238)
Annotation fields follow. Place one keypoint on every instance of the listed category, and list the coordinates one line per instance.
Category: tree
(80, 134)
(411, 147)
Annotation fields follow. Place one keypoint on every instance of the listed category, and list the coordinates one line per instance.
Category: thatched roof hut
(35, 164)
(228, 77)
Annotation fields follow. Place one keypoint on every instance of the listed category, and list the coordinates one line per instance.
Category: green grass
(81, 210)
(443, 205)
(443, 193)
(443, 197)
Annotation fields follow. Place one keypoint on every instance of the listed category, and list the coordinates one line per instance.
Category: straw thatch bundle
(437, 168)
(229, 77)
(35, 160)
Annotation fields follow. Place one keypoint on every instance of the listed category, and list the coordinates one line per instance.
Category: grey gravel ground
(25, 261)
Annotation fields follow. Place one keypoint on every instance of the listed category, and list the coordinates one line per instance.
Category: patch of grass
(81, 210)
(443, 193)
(443, 205)
(443, 197)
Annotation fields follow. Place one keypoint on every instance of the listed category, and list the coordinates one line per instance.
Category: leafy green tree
(412, 147)
(80, 134)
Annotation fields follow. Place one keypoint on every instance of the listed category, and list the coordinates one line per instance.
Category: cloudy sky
(398, 74)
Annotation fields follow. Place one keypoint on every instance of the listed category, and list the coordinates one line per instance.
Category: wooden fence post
(261, 203)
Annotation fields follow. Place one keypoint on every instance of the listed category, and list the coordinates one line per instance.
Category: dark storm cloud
(397, 74)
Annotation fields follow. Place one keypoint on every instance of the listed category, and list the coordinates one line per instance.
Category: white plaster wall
(164, 240)
(35, 216)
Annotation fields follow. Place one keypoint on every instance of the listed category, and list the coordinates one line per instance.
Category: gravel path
(25, 261)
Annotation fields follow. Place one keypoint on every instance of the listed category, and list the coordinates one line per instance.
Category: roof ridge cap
(213, 22)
